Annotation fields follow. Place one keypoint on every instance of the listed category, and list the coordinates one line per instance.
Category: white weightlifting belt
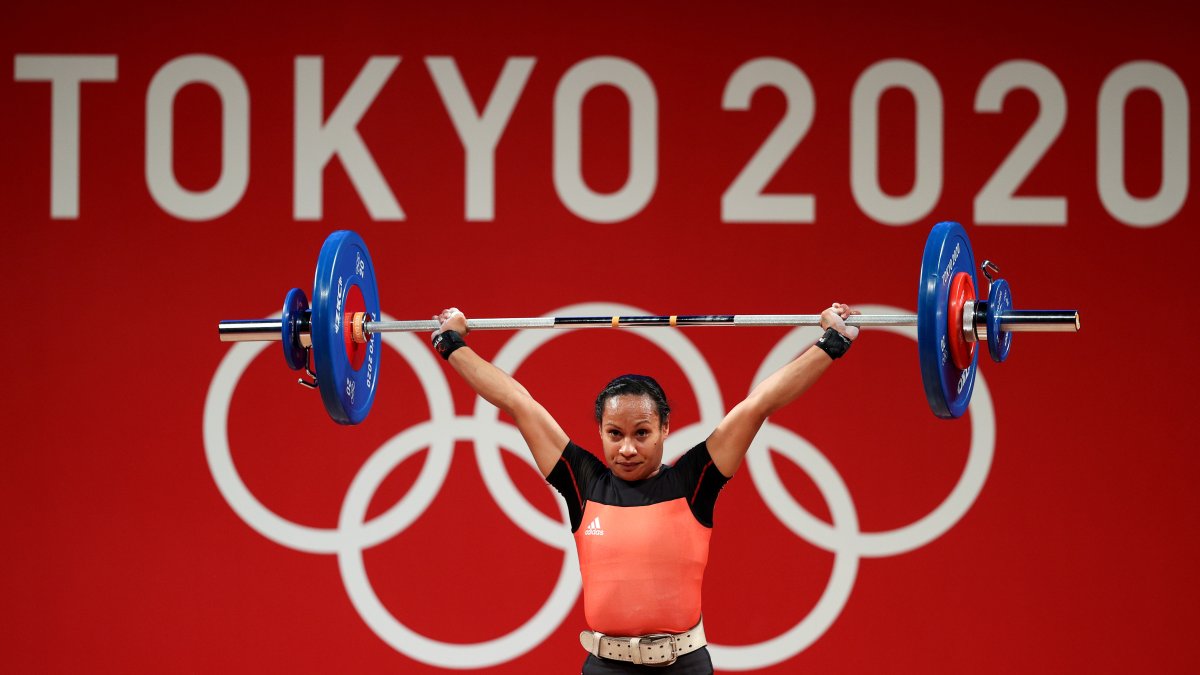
(659, 649)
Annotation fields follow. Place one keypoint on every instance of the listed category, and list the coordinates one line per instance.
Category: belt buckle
(656, 639)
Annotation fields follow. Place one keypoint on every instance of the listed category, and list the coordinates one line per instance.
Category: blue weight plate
(345, 282)
(999, 301)
(947, 252)
(295, 303)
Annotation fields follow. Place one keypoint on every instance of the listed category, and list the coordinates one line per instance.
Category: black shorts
(693, 663)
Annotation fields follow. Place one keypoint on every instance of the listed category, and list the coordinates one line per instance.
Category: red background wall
(122, 554)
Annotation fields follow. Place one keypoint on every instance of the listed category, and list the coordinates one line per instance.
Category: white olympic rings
(354, 534)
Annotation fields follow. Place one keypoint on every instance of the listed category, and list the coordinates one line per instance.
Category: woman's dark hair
(635, 385)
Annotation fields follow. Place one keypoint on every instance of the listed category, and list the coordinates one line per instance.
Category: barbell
(336, 340)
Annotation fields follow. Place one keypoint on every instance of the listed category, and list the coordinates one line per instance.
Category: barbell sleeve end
(1040, 321)
(250, 330)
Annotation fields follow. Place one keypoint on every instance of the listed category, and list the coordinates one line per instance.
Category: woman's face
(633, 437)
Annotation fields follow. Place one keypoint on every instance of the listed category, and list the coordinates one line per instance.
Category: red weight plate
(962, 289)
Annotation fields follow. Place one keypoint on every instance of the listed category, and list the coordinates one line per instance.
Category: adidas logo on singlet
(594, 528)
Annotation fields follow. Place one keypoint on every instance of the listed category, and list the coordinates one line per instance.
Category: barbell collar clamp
(971, 320)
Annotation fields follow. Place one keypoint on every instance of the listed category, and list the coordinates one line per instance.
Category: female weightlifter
(642, 529)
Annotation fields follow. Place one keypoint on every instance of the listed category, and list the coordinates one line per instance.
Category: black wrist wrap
(446, 342)
(834, 343)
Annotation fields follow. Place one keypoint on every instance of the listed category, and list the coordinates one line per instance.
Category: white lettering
(64, 73)
(643, 139)
(235, 137)
(962, 379)
(950, 265)
(1110, 144)
(317, 142)
(370, 364)
(745, 200)
(337, 307)
(320, 137)
(998, 202)
(480, 133)
(864, 142)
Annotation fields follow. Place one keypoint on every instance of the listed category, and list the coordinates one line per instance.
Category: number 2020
(996, 202)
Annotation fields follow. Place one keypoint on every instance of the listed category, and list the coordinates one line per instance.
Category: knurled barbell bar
(337, 339)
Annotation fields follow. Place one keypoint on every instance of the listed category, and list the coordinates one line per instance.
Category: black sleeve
(703, 482)
(571, 476)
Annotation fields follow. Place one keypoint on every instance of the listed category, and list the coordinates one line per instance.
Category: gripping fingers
(453, 319)
(843, 310)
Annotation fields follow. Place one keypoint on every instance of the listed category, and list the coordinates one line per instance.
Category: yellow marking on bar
(616, 322)
(673, 317)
